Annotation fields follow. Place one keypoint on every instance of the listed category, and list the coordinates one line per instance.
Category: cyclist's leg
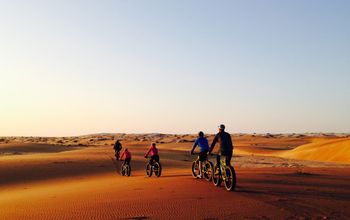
(156, 158)
(218, 160)
(127, 161)
(202, 157)
(151, 160)
(228, 158)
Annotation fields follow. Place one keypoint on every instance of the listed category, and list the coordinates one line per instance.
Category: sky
(80, 67)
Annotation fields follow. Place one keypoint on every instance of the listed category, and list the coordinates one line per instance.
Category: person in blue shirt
(203, 144)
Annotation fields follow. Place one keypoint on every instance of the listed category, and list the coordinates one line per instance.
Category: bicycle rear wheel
(208, 170)
(157, 169)
(230, 178)
(195, 169)
(128, 170)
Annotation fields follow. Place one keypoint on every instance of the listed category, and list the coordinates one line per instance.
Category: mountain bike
(207, 169)
(153, 167)
(125, 169)
(226, 173)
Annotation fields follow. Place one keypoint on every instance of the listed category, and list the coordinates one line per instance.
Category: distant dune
(337, 150)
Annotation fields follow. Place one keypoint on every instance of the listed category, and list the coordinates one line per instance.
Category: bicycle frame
(223, 167)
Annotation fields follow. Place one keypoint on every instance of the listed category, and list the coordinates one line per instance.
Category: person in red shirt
(126, 153)
(153, 151)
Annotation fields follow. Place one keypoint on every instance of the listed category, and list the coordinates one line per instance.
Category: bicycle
(207, 169)
(225, 173)
(155, 167)
(125, 169)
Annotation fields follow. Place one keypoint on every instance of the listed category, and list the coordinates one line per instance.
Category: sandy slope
(83, 183)
(265, 194)
(322, 150)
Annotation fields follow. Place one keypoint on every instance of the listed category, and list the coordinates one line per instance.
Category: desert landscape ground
(279, 176)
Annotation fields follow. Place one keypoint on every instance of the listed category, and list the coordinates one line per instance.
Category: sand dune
(41, 179)
(337, 150)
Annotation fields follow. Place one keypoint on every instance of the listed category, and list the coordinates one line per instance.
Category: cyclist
(225, 143)
(126, 153)
(202, 142)
(153, 150)
(117, 148)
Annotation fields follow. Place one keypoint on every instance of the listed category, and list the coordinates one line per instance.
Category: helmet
(201, 134)
(153, 144)
(222, 127)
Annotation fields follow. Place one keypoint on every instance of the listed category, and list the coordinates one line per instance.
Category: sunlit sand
(77, 177)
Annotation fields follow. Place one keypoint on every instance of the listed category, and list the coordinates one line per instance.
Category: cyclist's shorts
(127, 161)
(155, 158)
(203, 155)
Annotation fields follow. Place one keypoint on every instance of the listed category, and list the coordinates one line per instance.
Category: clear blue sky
(77, 67)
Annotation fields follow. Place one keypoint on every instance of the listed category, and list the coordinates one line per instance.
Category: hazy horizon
(73, 68)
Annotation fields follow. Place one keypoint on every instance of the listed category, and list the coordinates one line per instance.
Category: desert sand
(279, 176)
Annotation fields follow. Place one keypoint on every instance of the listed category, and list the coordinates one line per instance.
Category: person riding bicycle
(126, 153)
(117, 148)
(202, 142)
(153, 150)
(225, 143)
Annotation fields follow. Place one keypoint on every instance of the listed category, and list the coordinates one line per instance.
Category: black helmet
(222, 127)
(201, 134)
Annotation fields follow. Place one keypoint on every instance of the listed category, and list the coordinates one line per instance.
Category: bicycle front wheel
(216, 176)
(148, 170)
(122, 170)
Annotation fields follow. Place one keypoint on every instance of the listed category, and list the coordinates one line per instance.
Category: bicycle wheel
(122, 170)
(157, 169)
(128, 170)
(230, 178)
(216, 176)
(208, 171)
(195, 169)
(148, 170)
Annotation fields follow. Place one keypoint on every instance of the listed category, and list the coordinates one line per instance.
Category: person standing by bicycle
(117, 148)
(153, 150)
(225, 143)
(126, 153)
(203, 144)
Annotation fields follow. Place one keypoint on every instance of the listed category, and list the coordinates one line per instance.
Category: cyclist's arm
(230, 140)
(121, 156)
(213, 143)
(149, 150)
(194, 146)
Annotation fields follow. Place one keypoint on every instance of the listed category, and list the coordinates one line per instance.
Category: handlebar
(211, 154)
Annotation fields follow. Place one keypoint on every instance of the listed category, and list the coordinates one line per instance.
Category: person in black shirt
(117, 148)
(225, 143)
